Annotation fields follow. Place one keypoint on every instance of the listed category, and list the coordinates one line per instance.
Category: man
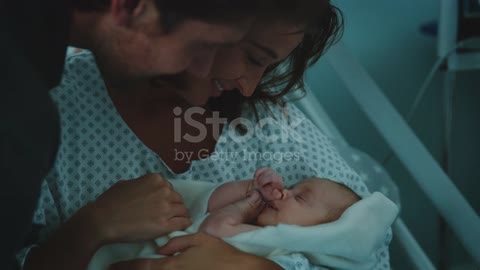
(133, 38)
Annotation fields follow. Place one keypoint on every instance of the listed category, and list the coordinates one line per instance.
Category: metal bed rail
(437, 186)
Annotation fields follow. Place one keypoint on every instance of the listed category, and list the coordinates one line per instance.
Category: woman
(126, 133)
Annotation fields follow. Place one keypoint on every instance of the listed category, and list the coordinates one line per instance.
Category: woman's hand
(140, 209)
(199, 252)
(133, 210)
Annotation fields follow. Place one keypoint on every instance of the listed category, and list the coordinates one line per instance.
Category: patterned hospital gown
(98, 149)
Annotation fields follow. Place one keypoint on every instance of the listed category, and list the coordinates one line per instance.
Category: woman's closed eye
(256, 61)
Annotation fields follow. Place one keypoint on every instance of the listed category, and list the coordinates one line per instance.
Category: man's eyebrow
(267, 50)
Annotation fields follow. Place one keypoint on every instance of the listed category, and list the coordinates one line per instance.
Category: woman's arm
(71, 247)
(203, 252)
(143, 209)
(200, 252)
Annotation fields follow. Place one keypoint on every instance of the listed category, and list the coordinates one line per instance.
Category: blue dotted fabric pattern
(98, 149)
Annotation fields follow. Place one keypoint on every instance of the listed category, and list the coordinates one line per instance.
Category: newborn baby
(261, 217)
(310, 202)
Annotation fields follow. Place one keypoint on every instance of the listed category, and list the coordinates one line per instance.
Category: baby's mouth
(269, 204)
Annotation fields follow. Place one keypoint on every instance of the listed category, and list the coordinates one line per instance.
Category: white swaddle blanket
(350, 242)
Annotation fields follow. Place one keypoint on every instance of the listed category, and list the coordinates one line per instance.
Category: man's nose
(202, 63)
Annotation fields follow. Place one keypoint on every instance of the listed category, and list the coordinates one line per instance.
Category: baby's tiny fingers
(265, 178)
(260, 171)
(277, 194)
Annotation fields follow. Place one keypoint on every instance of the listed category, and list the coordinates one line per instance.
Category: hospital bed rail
(315, 112)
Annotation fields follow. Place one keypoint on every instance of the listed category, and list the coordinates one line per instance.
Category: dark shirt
(33, 40)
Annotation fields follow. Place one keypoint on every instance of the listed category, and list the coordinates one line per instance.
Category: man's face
(140, 49)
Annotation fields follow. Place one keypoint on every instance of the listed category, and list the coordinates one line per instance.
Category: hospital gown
(98, 149)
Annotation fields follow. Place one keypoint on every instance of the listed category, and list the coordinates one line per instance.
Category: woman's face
(241, 67)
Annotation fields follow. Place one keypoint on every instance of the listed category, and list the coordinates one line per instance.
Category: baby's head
(310, 202)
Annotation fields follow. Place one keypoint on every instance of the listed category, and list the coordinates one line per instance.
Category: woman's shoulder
(80, 76)
(79, 66)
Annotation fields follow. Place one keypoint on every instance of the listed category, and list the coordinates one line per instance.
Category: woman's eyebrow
(267, 50)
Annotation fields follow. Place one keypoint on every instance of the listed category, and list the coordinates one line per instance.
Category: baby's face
(306, 204)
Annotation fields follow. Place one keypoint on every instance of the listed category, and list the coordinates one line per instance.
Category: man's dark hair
(173, 12)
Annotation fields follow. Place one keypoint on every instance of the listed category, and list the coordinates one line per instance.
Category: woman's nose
(250, 80)
(246, 89)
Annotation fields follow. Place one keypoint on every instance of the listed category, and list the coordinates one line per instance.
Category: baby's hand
(269, 183)
(229, 220)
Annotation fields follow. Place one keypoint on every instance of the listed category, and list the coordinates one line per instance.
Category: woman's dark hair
(323, 27)
(174, 12)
